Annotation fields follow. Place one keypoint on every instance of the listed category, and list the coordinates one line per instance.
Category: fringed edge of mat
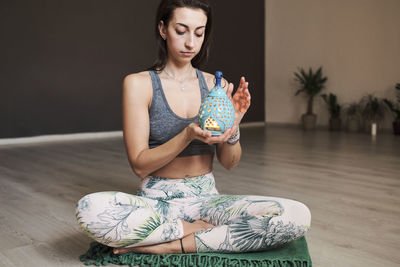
(99, 254)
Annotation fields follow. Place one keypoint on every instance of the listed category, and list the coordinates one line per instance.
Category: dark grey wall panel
(62, 62)
(238, 48)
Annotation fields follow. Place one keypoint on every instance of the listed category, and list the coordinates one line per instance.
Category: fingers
(197, 131)
(241, 83)
(218, 139)
(230, 90)
(245, 101)
(202, 133)
(243, 89)
(242, 97)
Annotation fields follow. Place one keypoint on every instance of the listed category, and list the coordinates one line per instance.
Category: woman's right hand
(194, 131)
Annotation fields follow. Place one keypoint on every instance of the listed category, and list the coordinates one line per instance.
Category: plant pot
(374, 128)
(368, 126)
(353, 125)
(396, 127)
(309, 121)
(335, 124)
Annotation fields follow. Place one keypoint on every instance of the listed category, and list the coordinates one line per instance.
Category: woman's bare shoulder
(138, 85)
(138, 78)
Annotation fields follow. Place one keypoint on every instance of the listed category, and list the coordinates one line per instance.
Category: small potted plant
(395, 108)
(353, 117)
(311, 84)
(373, 111)
(334, 108)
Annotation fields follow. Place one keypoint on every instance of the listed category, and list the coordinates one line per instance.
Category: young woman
(177, 208)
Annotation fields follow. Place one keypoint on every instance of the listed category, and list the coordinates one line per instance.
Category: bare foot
(163, 248)
(196, 226)
(172, 247)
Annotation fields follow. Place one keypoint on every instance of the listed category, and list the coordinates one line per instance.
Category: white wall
(356, 41)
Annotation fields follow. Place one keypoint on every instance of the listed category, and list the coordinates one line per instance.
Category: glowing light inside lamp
(212, 125)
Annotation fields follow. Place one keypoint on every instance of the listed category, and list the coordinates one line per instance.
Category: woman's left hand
(240, 100)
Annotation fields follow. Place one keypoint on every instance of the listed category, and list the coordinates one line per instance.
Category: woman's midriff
(184, 167)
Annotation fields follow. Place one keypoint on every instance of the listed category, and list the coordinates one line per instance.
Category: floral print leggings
(155, 214)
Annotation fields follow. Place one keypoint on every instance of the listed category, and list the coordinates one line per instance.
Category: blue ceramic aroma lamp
(217, 112)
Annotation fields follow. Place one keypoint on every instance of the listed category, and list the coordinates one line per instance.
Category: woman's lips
(187, 54)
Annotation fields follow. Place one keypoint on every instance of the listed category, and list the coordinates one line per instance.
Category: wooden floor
(350, 182)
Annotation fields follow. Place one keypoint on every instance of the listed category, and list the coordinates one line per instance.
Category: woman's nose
(190, 41)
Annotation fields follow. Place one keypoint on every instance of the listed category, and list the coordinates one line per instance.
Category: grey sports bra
(165, 124)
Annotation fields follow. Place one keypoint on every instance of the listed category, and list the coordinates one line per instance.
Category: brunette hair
(164, 13)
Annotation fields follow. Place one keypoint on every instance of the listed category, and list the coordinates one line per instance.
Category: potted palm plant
(395, 108)
(334, 108)
(373, 111)
(352, 112)
(311, 84)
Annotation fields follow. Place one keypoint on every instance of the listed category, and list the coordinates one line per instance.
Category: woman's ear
(162, 30)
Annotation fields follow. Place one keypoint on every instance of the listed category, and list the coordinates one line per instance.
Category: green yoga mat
(293, 254)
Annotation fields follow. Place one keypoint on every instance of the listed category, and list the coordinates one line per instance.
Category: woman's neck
(179, 71)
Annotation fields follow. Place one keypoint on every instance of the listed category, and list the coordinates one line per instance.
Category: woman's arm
(229, 155)
(136, 101)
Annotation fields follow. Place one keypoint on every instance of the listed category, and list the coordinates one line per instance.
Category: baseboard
(322, 127)
(252, 124)
(58, 138)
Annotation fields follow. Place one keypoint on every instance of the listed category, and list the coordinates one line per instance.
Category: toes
(122, 250)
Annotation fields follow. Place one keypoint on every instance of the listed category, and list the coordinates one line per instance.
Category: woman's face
(184, 34)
